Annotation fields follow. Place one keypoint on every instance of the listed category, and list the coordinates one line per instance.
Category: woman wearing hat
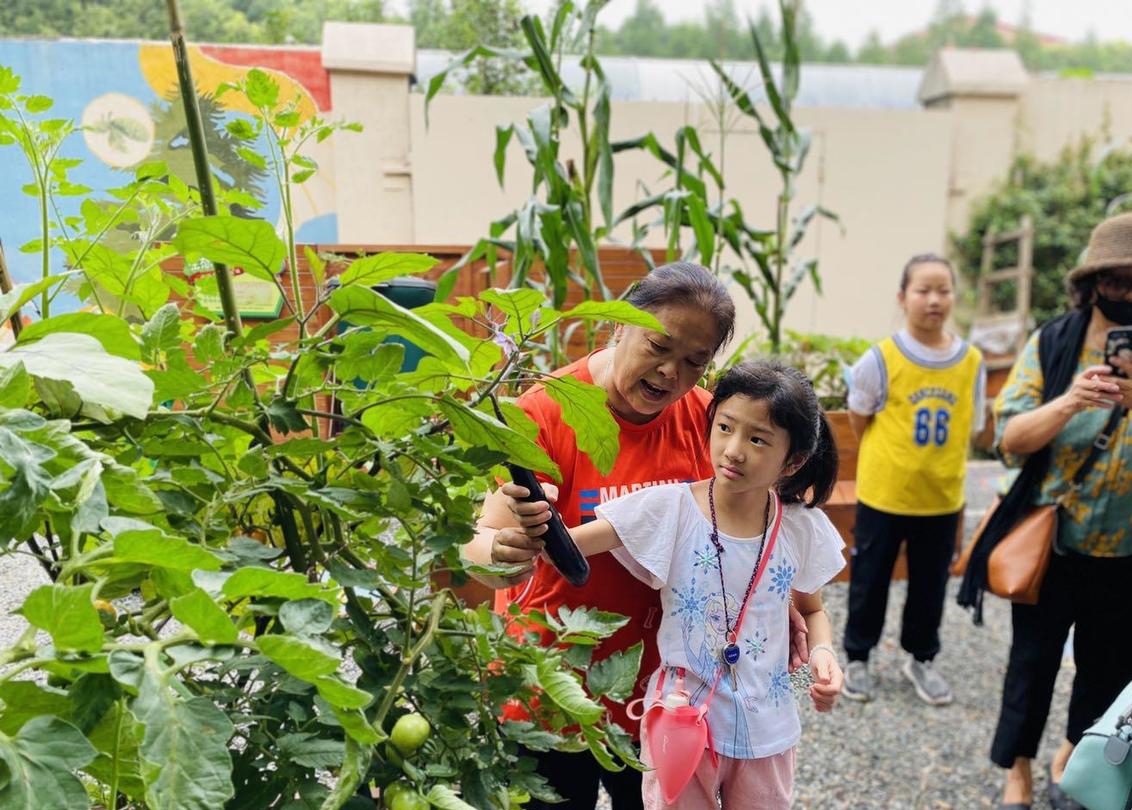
(1061, 395)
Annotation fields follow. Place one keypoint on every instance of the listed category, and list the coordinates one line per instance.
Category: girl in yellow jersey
(915, 400)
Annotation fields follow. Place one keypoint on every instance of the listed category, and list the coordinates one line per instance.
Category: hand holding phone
(1118, 348)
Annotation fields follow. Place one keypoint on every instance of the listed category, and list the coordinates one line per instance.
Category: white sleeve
(980, 415)
(819, 546)
(648, 523)
(868, 383)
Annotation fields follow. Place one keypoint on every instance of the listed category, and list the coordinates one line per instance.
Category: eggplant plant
(241, 607)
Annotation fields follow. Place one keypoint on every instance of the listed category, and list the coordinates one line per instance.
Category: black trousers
(1095, 595)
(576, 777)
(877, 538)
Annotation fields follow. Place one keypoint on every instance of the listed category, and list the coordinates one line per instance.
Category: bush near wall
(1066, 198)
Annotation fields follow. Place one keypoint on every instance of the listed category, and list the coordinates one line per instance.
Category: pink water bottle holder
(676, 734)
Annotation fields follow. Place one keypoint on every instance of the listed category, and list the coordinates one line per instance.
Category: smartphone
(1118, 343)
(560, 546)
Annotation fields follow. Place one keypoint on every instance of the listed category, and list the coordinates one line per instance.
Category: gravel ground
(894, 752)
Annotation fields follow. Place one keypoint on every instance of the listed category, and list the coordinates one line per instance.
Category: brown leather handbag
(1018, 562)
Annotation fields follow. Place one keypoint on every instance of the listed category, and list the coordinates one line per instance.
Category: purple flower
(504, 341)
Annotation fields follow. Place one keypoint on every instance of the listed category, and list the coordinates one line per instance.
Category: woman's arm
(502, 510)
(1026, 433)
(823, 662)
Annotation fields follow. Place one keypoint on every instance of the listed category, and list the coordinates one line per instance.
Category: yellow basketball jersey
(913, 454)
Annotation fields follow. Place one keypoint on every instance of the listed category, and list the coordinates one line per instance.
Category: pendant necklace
(729, 653)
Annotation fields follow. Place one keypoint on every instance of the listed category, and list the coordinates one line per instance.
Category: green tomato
(409, 733)
(390, 792)
(408, 800)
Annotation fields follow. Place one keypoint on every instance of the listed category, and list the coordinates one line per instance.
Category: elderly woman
(1062, 394)
(650, 384)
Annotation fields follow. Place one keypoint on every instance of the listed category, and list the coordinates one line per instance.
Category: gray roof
(685, 80)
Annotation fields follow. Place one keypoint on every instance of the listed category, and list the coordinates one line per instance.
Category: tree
(1066, 198)
(459, 25)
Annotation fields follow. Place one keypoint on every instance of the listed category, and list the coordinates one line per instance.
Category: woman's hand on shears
(522, 544)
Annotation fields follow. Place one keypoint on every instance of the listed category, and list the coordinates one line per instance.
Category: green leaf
(91, 696)
(480, 430)
(111, 331)
(306, 617)
(615, 676)
(41, 761)
(20, 294)
(701, 226)
(373, 270)
(15, 386)
(518, 304)
(285, 417)
(24, 700)
(595, 739)
(299, 657)
(248, 243)
(162, 332)
(311, 751)
(615, 312)
(38, 104)
(261, 89)
(585, 411)
(446, 798)
(529, 735)
(563, 688)
(355, 765)
(151, 546)
(204, 617)
(67, 613)
(112, 385)
(185, 763)
(588, 623)
(368, 357)
(340, 694)
(269, 583)
(361, 306)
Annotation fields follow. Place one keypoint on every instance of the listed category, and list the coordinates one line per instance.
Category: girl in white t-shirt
(701, 544)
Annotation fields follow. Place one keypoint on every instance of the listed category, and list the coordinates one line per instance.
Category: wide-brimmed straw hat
(1109, 246)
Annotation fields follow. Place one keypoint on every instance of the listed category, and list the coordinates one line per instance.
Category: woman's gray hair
(686, 284)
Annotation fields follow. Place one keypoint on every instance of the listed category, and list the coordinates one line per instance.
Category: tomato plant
(237, 606)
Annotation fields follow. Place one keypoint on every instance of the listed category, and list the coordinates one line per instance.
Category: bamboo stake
(200, 159)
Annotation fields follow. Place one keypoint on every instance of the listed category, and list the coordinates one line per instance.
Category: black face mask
(1119, 312)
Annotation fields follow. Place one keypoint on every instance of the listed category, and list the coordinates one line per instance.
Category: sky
(851, 20)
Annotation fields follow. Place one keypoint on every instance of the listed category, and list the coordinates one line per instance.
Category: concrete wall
(890, 196)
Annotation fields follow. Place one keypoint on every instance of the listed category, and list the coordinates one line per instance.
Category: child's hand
(534, 513)
(516, 547)
(827, 678)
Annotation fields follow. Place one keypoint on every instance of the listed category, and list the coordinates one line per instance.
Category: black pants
(877, 538)
(1095, 595)
(576, 777)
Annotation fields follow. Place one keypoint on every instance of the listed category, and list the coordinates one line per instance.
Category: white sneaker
(929, 684)
(858, 683)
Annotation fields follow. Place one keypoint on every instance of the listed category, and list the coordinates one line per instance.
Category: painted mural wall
(124, 96)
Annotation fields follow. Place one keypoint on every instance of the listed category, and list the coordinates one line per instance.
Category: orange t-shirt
(669, 449)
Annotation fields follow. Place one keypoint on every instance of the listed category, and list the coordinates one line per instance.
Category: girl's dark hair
(684, 283)
(793, 406)
(1082, 292)
(923, 258)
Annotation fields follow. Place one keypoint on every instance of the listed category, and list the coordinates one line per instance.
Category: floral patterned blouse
(1097, 519)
